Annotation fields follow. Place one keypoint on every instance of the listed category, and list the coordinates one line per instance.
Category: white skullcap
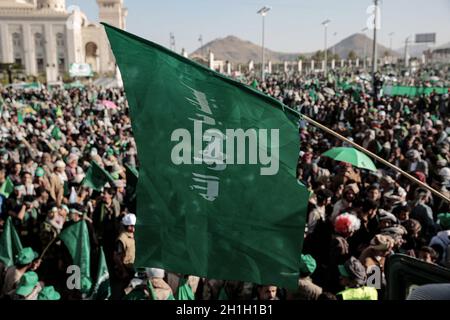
(445, 173)
(155, 273)
(60, 164)
(129, 220)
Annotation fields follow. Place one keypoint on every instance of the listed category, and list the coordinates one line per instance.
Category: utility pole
(375, 81)
(325, 25)
(365, 48)
(200, 39)
(334, 47)
(406, 53)
(172, 42)
(263, 12)
(375, 49)
(390, 47)
(390, 36)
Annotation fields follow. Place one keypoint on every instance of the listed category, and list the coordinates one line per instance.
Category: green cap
(49, 293)
(307, 264)
(343, 271)
(65, 208)
(26, 256)
(86, 284)
(39, 172)
(27, 283)
(115, 175)
(444, 220)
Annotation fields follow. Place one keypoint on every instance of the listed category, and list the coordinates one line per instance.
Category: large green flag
(96, 177)
(7, 188)
(234, 213)
(10, 244)
(101, 289)
(76, 239)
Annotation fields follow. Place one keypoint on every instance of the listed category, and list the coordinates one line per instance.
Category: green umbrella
(351, 155)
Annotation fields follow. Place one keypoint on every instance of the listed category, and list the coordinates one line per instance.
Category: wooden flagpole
(370, 154)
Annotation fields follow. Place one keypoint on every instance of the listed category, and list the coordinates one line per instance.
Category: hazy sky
(291, 25)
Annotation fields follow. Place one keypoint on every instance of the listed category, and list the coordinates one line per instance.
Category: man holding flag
(26, 260)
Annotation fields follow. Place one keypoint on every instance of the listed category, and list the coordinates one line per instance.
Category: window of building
(60, 40)
(40, 65)
(61, 65)
(39, 40)
(17, 41)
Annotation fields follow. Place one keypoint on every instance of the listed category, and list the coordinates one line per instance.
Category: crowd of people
(356, 219)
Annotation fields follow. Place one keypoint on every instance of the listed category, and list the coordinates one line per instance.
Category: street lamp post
(406, 52)
(263, 12)
(390, 46)
(325, 25)
(375, 49)
(390, 40)
(200, 39)
(365, 48)
(334, 47)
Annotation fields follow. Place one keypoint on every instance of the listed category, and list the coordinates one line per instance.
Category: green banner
(412, 91)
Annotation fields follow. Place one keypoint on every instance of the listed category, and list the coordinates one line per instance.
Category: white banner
(80, 70)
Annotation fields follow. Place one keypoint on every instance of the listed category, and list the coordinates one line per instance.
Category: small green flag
(101, 290)
(76, 239)
(20, 117)
(170, 297)
(152, 290)
(238, 217)
(184, 291)
(96, 177)
(7, 188)
(10, 244)
(153, 295)
(56, 133)
(313, 95)
(59, 112)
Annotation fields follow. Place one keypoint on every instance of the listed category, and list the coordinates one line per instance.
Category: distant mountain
(361, 45)
(237, 50)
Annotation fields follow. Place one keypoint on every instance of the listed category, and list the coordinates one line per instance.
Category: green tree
(318, 56)
(335, 57)
(352, 55)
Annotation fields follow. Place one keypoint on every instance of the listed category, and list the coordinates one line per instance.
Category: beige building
(45, 37)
